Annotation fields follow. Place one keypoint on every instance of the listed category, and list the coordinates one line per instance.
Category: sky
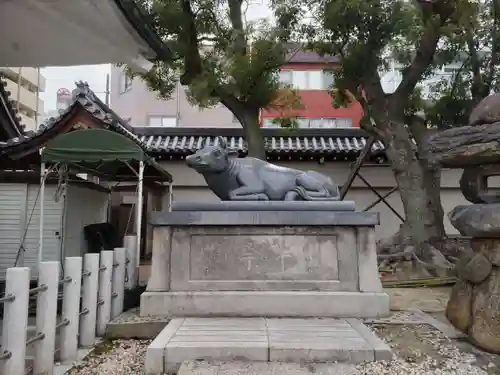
(65, 77)
(95, 75)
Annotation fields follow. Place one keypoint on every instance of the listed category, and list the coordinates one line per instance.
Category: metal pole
(42, 194)
(107, 90)
(37, 97)
(19, 83)
(170, 196)
(139, 214)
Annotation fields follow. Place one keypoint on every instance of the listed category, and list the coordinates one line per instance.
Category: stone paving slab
(264, 368)
(290, 339)
(262, 339)
(130, 325)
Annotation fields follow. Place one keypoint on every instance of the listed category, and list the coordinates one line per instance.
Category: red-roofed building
(312, 75)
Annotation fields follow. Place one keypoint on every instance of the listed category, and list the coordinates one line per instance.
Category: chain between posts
(38, 289)
(85, 311)
(66, 280)
(7, 298)
(5, 355)
(39, 336)
(62, 323)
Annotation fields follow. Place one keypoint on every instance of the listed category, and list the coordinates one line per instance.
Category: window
(162, 121)
(315, 123)
(307, 79)
(299, 79)
(315, 80)
(125, 83)
(328, 79)
(268, 123)
(286, 77)
(235, 119)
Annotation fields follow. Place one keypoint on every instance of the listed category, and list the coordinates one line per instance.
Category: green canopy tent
(108, 155)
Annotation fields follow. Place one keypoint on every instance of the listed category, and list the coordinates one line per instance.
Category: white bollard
(15, 320)
(118, 290)
(90, 285)
(130, 243)
(71, 309)
(105, 285)
(46, 317)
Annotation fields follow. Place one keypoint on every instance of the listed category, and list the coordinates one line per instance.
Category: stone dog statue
(251, 179)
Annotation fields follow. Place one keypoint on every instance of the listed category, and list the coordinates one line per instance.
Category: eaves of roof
(142, 24)
(83, 98)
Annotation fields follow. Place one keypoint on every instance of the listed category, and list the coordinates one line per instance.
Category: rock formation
(474, 305)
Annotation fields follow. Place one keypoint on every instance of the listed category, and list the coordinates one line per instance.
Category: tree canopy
(366, 35)
(474, 51)
(222, 58)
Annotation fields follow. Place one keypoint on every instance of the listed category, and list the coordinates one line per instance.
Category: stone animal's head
(210, 159)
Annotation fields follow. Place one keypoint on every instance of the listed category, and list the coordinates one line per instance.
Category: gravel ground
(429, 300)
(423, 350)
(118, 357)
(419, 350)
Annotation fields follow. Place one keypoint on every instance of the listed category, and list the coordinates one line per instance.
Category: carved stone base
(290, 262)
(292, 304)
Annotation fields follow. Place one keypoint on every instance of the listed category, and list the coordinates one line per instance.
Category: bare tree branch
(436, 13)
(236, 18)
(192, 59)
(423, 58)
(477, 79)
(495, 46)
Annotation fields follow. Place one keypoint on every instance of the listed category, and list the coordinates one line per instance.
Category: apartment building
(25, 85)
(133, 101)
(312, 75)
(392, 78)
(306, 71)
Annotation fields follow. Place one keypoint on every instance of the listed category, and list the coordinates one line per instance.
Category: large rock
(474, 269)
(489, 247)
(463, 146)
(487, 111)
(485, 328)
(459, 308)
(477, 220)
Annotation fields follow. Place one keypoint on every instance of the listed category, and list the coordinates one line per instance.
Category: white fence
(93, 290)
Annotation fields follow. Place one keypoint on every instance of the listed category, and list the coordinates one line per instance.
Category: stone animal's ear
(222, 142)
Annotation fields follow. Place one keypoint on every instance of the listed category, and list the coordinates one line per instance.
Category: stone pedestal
(265, 259)
(474, 306)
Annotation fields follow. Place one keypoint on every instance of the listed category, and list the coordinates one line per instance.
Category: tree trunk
(419, 190)
(253, 136)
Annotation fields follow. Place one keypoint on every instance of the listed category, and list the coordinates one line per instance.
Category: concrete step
(263, 339)
(265, 368)
(130, 325)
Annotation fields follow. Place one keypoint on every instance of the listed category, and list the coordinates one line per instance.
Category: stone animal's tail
(324, 194)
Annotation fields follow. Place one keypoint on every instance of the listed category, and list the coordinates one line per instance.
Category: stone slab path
(263, 339)
(268, 368)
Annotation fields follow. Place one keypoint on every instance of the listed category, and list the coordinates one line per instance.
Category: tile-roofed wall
(183, 141)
